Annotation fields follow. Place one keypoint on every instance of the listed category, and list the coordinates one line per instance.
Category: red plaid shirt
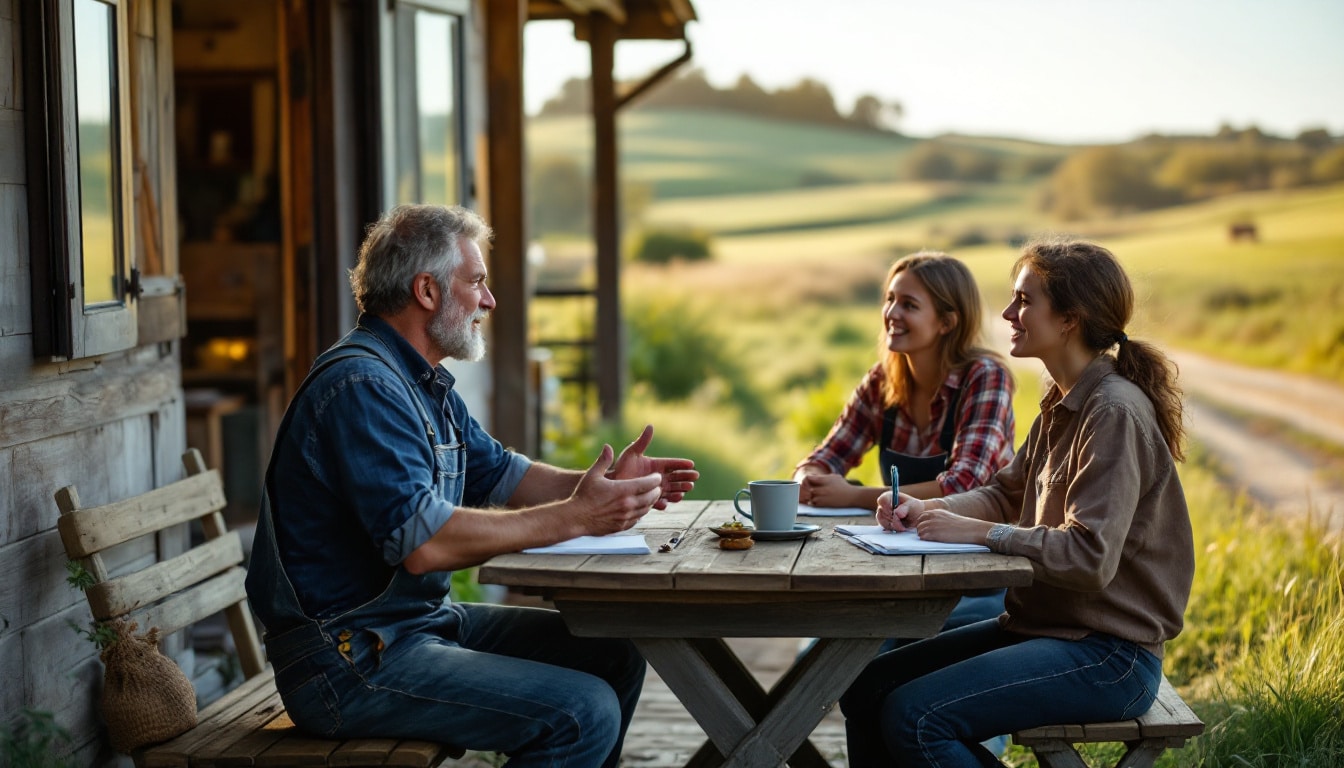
(984, 426)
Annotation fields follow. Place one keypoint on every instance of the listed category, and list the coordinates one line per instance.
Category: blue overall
(410, 663)
(976, 606)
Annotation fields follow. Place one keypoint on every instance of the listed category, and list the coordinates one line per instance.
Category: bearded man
(381, 484)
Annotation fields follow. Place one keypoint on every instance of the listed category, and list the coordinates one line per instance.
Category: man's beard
(457, 335)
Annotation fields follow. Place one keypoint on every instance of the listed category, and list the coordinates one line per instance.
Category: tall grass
(1262, 653)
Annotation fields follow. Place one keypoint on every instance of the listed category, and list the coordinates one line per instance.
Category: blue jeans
(968, 610)
(501, 679)
(930, 703)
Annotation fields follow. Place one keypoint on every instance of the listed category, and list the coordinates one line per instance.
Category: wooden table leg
(711, 687)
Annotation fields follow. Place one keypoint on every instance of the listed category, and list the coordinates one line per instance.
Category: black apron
(918, 469)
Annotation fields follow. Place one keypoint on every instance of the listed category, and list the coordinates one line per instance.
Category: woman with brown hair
(938, 407)
(1092, 499)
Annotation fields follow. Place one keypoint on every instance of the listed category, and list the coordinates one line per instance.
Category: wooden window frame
(63, 327)
(391, 80)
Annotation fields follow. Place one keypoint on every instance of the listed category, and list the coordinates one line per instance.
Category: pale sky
(1056, 70)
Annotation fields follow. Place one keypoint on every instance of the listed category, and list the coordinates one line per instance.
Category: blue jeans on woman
(930, 703)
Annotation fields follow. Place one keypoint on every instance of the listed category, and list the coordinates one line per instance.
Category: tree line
(1158, 171)
(808, 101)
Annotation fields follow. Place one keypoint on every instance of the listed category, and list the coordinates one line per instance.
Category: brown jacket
(1099, 511)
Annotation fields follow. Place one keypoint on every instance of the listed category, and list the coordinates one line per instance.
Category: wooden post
(609, 337)
(511, 418)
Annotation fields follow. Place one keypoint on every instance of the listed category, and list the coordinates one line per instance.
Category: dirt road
(1283, 477)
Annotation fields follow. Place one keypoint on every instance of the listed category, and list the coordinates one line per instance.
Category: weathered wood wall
(112, 425)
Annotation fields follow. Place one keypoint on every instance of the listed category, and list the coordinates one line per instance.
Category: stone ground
(663, 734)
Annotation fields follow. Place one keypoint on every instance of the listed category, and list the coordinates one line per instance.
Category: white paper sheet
(807, 510)
(615, 544)
(878, 541)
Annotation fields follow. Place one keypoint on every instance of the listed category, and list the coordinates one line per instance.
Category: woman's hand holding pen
(906, 514)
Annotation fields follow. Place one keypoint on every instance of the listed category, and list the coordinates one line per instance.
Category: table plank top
(821, 562)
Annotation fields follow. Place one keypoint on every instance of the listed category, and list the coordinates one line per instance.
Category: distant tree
(687, 89)
(873, 113)
(747, 96)
(1104, 179)
(575, 98)
(807, 100)
(930, 161)
(936, 161)
(1315, 139)
(660, 246)
(558, 196)
(1329, 167)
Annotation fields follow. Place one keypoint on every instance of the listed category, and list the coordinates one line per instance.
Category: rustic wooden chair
(1166, 725)
(248, 726)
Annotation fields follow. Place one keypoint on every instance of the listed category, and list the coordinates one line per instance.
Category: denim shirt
(353, 480)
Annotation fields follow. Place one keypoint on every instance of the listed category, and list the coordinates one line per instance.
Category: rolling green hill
(692, 153)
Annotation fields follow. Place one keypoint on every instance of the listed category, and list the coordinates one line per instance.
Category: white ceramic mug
(774, 504)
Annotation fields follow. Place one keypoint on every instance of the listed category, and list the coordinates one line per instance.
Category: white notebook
(882, 542)
(614, 544)
(807, 510)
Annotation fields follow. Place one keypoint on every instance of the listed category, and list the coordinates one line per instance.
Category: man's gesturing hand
(606, 503)
(677, 476)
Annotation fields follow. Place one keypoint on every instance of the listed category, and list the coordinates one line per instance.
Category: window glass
(428, 107)
(96, 93)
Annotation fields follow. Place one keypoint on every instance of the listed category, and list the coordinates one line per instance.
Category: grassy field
(693, 153)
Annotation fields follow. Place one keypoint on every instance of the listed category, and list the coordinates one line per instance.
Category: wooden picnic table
(679, 605)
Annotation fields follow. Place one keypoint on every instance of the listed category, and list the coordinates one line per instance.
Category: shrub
(660, 246)
(672, 349)
(1329, 167)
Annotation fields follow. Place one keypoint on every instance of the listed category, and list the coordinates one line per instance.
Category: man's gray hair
(406, 241)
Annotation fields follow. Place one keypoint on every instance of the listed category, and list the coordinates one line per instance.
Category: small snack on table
(734, 535)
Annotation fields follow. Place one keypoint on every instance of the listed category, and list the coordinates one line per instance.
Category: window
(79, 177)
(423, 87)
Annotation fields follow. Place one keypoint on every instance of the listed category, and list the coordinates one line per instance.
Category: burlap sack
(146, 696)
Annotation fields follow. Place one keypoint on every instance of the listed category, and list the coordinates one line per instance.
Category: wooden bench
(1166, 725)
(248, 726)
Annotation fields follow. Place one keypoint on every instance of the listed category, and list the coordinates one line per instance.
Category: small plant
(100, 634)
(33, 740)
(78, 576)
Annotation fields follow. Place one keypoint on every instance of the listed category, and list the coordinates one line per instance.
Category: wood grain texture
(38, 401)
(15, 271)
(92, 529)
(127, 593)
(1166, 725)
(192, 605)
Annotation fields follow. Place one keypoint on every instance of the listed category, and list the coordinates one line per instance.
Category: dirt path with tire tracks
(1278, 473)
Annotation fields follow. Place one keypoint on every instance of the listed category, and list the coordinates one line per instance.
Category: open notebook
(615, 544)
(878, 541)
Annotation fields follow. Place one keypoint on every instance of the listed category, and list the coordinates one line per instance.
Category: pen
(895, 491)
(673, 542)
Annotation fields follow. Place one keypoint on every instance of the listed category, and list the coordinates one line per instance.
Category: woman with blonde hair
(938, 407)
(1092, 499)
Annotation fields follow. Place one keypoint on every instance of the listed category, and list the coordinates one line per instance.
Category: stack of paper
(882, 542)
(807, 510)
(615, 544)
